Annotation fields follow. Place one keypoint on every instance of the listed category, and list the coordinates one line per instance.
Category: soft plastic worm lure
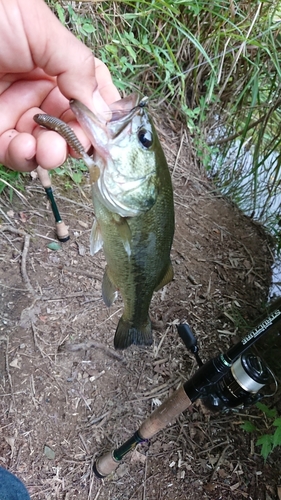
(53, 123)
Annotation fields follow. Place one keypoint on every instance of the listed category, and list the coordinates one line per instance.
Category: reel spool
(240, 386)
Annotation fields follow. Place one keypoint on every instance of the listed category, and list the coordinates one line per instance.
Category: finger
(55, 103)
(106, 87)
(73, 63)
(26, 122)
(38, 130)
(20, 97)
(51, 149)
(17, 151)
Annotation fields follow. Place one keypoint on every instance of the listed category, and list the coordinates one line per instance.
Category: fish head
(125, 150)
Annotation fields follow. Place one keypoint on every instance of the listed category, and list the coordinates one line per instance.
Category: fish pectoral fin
(96, 241)
(127, 334)
(124, 231)
(167, 278)
(94, 172)
(109, 290)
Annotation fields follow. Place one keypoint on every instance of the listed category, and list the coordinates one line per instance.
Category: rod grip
(44, 177)
(160, 418)
(105, 465)
(165, 413)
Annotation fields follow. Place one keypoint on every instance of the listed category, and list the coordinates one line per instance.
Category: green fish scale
(137, 276)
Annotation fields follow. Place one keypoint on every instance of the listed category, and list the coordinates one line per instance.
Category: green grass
(214, 65)
(9, 181)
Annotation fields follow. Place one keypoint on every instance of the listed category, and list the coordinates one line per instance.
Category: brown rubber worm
(53, 123)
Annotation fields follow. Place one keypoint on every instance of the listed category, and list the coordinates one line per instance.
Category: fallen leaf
(83, 224)
(81, 249)
(33, 175)
(138, 457)
(49, 453)
(23, 217)
(10, 441)
(15, 363)
(54, 246)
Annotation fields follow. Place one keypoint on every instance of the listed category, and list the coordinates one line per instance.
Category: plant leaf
(277, 422)
(277, 436)
(270, 413)
(248, 426)
(266, 444)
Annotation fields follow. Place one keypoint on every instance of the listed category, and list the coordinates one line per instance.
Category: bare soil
(67, 396)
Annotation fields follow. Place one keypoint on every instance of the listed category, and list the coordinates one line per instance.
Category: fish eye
(145, 137)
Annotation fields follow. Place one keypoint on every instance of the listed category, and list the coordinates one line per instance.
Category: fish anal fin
(127, 334)
(109, 290)
(166, 279)
(96, 241)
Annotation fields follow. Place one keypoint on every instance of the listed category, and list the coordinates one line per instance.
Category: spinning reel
(240, 385)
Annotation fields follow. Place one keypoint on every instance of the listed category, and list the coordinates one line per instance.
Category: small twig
(179, 152)
(23, 265)
(144, 481)
(5, 216)
(25, 277)
(96, 345)
(8, 369)
(71, 269)
(20, 195)
(84, 443)
(12, 229)
(70, 296)
(33, 328)
(212, 448)
(219, 462)
(96, 420)
(46, 237)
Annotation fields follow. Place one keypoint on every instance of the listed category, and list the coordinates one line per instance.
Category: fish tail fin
(127, 334)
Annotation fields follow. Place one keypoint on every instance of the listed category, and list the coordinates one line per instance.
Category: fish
(133, 203)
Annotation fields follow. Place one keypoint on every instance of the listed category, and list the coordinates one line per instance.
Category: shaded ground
(67, 396)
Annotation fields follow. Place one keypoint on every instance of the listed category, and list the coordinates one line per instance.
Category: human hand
(42, 66)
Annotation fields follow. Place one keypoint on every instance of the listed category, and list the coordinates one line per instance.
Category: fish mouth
(126, 196)
(122, 112)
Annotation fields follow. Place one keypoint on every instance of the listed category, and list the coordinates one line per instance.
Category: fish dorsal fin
(167, 278)
(96, 241)
(109, 291)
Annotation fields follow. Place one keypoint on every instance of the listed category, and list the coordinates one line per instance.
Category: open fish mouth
(123, 154)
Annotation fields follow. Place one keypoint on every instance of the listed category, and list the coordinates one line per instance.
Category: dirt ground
(67, 396)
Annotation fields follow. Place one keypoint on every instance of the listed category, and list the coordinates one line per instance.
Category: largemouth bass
(134, 211)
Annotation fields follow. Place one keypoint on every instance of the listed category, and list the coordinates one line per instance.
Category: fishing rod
(61, 228)
(226, 381)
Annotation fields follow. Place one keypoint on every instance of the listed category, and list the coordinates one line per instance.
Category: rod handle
(105, 465)
(44, 177)
(160, 418)
(165, 413)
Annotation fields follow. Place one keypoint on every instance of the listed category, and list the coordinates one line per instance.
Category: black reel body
(239, 386)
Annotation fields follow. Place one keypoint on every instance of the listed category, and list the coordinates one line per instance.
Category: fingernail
(101, 109)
